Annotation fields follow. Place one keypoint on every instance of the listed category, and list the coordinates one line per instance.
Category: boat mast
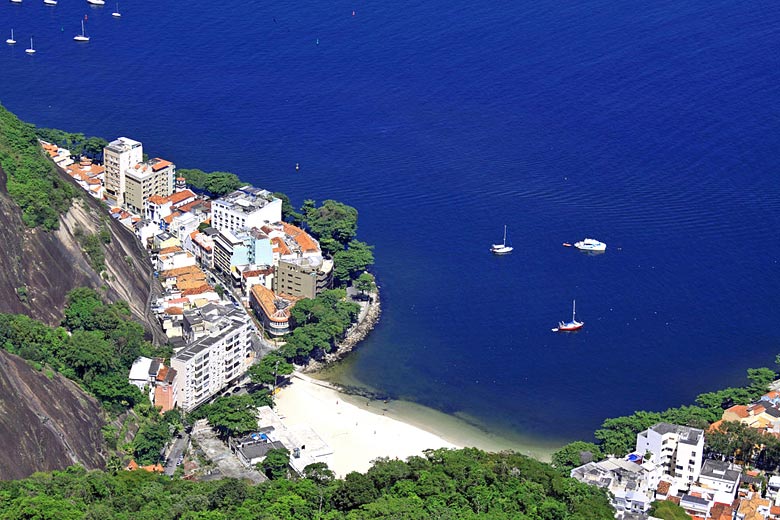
(573, 310)
(504, 235)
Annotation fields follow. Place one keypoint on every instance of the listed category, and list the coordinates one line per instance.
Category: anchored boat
(570, 326)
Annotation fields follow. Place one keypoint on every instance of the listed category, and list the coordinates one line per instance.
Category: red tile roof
(663, 487)
(159, 164)
(157, 199)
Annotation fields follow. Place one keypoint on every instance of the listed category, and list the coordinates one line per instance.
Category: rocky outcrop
(367, 320)
(47, 422)
(38, 268)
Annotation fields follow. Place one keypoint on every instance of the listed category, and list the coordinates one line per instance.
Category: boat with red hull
(570, 326)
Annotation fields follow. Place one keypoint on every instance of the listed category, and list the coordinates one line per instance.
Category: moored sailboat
(570, 326)
(502, 248)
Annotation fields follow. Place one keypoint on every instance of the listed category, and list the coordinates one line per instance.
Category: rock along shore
(367, 320)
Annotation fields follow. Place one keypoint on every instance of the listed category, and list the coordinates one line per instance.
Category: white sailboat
(501, 249)
(83, 36)
(116, 14)
(572, 325)
(50, 2)
(96, 2)
(11, 41)
(31, 50)
(16, 1)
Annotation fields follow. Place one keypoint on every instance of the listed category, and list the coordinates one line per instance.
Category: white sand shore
(356, 434)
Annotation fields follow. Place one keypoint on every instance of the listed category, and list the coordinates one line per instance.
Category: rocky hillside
(46, 422)
(38, 268)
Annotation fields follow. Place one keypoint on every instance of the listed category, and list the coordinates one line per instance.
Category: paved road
(177, 451)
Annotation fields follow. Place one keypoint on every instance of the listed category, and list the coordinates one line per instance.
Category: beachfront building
(273, 310)
(245, 208)
(129, 181)
(677, 449)
(217, 352)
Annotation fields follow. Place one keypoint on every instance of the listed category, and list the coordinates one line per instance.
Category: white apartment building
(218, 352)
(118, 156)
(722, 478)
(247, 207)
(677, 449)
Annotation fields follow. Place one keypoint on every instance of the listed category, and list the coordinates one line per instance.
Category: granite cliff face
(38, 268)
(49, 422)
(46, 422)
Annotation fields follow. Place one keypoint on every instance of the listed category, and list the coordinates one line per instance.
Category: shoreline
(415, 421)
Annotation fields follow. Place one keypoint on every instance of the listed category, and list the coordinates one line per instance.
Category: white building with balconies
(677, 449)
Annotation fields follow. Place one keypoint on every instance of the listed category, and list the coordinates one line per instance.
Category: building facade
(146, 179)
(677, 449)
(218, 352)
(303, 277)
(118, 156)
(247, 207)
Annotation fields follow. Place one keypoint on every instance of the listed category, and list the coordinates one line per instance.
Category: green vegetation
(668, 511)
(32, 181)
(352, 261)
(332, 220)
(77, 143)
(288, 211)
(365, 283)
(276, 462)
(319, 324)
(215, 183)
(617, 436)
(231, 416)
(463, 484)
(102, 344)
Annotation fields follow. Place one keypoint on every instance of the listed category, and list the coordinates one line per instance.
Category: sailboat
(83, 36)
(571, 325)
(116, 14)
(50, 2)
(501, 249)
(96, 2)
(11, 41)
(31, 50)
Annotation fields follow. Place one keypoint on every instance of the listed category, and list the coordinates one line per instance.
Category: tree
(332, 219)
(320, 473)
(349, 262)
(275, 463)
(288, 210)
(355, 490)
(81, 305)
(263, 371)
(88, 354)
(232, 415)
(759, 380)
(570, 456)
(149, 442)
(115, 391)
(222, 183)
(668, 511)
(365, 283)
(618, 436)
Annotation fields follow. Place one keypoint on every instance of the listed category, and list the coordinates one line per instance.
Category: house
(245, 208)
(252, 449)
(753, 507)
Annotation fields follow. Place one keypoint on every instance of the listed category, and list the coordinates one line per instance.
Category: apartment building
(119, 156)
(677, 449)
(217, 352)
(303, 277)
(146, 179)
(247, 207)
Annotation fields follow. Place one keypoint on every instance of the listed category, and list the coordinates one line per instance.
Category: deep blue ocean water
(652, 126)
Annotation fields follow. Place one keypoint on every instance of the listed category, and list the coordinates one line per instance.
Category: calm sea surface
(652, 126)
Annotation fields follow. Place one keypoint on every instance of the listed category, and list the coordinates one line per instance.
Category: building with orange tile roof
(272, 309)
(753, 508)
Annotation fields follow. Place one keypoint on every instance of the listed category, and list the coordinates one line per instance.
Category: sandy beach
(356, 434)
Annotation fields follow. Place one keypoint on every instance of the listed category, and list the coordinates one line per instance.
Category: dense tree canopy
(352, 261)
(215, 183)
(31, 178)
(462, 484)
(332, 219)
(230, 415)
